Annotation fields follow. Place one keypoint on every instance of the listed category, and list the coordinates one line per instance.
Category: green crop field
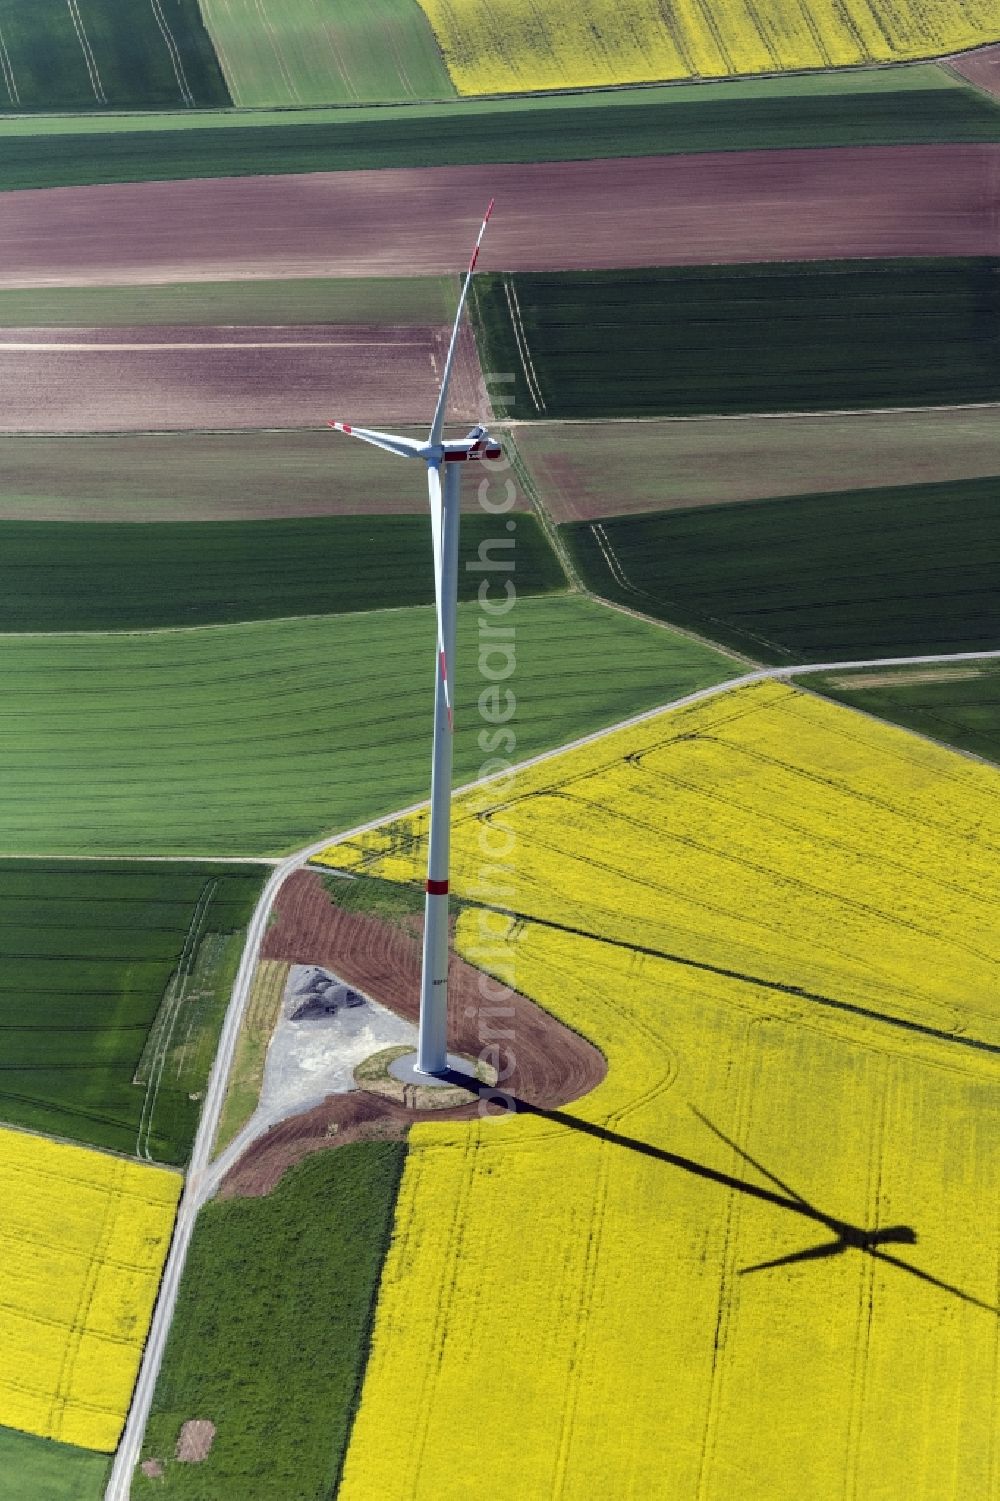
(107, 54)
(294, 52)
(259, 738)
(584, 471)
(278, 1368)
(76, 576)
(959, 705)
(880, 108)
(36, 1469)
(414, 300)
(731, 339)
(823, 578)
(139, 477)
(113, 983)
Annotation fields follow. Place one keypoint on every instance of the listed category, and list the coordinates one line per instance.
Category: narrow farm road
(202, 1180)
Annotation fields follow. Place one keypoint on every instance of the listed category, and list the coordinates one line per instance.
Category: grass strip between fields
(247, 1072)
(278, 1367)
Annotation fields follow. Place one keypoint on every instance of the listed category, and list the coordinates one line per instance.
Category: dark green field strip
(728, 339)
(958, 705)
(648, 123)
(279, 1367)
(91, 576)
(263, 737)
(38, 1469)
(868, 573)
(88, 952)
(110, 54)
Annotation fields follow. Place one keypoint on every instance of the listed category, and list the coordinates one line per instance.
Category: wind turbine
(439, 455)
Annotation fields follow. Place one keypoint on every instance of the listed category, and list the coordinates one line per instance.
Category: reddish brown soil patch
(549, 1064)
(196, 1439)
(981, 68)
(127, 379)
(719, 206)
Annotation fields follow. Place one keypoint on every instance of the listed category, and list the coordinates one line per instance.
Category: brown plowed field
(720, 206)
(585, 470)
(135, 379)
(981, 68)
(551, 1064)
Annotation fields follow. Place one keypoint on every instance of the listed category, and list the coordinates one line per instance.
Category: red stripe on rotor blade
(486, 216)
(437, 888)
(455, 458)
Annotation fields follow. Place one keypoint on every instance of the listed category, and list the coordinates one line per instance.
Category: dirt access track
(981, 68)
(94, 380)
(551, 1064)
(724, 206)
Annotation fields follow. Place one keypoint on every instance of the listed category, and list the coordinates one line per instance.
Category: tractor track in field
(201, 1182)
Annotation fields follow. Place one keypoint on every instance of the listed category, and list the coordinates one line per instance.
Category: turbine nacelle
(477, 445)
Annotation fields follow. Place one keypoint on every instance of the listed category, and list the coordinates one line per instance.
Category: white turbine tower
(438, 455)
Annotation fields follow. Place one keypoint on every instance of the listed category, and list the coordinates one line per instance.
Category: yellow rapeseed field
(780, 921)
(85, 1235)
(503, 46)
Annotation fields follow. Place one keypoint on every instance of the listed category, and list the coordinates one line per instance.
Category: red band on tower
(437, 888)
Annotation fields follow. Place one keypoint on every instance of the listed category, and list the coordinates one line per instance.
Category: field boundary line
(819, 414)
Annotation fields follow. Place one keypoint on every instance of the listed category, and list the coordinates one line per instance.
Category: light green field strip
(417, 300)
(906, 78)
(298, 52)
(586, 470)
(38, 1469)
(258, 738)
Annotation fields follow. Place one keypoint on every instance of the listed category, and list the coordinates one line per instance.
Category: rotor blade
(438, 424)
(437, 542)
(407, 448)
